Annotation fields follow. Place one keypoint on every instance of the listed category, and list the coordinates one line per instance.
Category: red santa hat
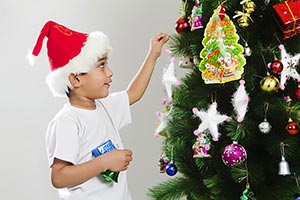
(68, 52)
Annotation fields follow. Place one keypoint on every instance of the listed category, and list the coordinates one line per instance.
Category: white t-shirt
(75, 132)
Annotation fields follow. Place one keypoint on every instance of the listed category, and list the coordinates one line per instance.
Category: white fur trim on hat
(96, 45)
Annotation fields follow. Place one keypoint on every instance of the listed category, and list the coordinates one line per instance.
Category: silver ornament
(186, 62)
(284, 168)
(265, 127)
(247, 49)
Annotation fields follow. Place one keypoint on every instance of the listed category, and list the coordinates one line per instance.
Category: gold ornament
(269, 84)
(249, 6)
(243, 21)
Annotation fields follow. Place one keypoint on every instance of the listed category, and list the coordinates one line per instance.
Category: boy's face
(95, 84)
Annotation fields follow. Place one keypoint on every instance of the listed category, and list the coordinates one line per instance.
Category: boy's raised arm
(140, 81)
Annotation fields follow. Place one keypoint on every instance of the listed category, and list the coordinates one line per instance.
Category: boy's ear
(74, 80)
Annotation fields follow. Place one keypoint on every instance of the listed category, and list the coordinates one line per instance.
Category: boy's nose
(109, 72)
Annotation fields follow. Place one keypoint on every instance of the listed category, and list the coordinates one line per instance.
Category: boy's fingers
(163, 37)
(129, 158)
(128, 152)
(159, 36)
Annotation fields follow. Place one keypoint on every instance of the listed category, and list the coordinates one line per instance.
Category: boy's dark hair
(68, 92)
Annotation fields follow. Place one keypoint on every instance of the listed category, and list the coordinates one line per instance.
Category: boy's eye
(102, 64)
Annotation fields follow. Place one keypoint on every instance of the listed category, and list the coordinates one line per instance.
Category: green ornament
(247, 195)
(110, 176)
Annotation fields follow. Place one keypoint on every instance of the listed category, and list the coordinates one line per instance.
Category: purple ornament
(234, 154)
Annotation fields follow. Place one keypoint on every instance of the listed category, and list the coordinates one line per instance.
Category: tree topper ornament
(240, 101)
(169, 78)
(210, 120)
(289, 69)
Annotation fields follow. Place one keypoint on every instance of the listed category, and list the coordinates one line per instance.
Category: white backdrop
(27, 105)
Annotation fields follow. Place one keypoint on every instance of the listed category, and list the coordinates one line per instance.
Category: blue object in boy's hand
(103, 148)
(107, 146)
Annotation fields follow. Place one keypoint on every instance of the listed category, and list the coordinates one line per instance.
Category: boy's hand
(118, 160)
(140, 81)
(157, 42)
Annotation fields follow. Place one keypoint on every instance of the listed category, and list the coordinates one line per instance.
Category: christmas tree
(230, 129)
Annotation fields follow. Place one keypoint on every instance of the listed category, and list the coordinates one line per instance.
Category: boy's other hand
(118, 160)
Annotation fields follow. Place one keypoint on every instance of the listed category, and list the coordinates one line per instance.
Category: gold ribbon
(293, 16)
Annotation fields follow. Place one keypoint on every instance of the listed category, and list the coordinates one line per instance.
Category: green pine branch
(209, 178)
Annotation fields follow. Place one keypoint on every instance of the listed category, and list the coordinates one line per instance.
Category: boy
(92, 117)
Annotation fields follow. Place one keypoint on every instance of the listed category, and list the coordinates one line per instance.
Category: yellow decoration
(269, 84)
(248, 7)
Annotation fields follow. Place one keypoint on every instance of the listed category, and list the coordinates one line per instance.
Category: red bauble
(276, 67)
(297, 94)
(181, 24)
(292, 128)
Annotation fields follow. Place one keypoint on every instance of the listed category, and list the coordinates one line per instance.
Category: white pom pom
(195, 110)
(30, 58)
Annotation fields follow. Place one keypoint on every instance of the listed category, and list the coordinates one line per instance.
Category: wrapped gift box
(287, 15)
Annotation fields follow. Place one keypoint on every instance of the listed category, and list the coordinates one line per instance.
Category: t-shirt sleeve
(62, 140)
(117, 104)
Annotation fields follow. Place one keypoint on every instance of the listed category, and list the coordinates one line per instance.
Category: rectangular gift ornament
(103, 148)
(287, 16)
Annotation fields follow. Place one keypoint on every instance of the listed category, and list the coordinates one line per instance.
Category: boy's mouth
(107, 84)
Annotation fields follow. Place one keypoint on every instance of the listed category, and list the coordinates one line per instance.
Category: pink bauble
(234, 154)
